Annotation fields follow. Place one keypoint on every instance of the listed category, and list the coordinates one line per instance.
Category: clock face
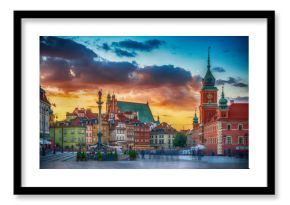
(209, 96)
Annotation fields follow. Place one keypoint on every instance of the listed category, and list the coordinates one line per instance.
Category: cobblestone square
(68, 161)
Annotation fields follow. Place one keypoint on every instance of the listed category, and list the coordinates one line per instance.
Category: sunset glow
(166, 72)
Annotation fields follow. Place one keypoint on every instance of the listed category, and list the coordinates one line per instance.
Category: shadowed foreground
(68, 161)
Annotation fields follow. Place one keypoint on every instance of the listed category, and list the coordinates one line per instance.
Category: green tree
(180, 140)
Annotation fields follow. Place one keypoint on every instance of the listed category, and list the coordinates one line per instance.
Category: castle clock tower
(208, 95)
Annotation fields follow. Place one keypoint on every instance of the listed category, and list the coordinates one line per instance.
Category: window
(229, 126)
(240, 127)
(241, 140)
(228, 140)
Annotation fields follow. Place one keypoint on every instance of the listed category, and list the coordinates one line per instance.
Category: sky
(165, 71)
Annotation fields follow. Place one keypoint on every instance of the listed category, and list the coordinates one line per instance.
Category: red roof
(135, 121)
(75, 122)
(90, 114)
(163, 125)
(239, 111)
(122, 117)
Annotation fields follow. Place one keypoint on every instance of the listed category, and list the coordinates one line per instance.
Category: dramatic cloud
(64, 48)
(218, 69)
(73, 79)
(240, 99)
(72, 72)
(129, 48)
(162, 75)
(240, 85)
(105, 46)
(147, 46)
(123, 53)
(232, 81)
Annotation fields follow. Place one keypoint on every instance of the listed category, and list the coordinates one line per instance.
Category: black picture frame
(268, 190)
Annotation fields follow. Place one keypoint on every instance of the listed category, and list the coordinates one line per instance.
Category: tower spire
(195, 119)
(223, 103)
(208, 59)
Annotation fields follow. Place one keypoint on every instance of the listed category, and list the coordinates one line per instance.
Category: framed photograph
(144, 102)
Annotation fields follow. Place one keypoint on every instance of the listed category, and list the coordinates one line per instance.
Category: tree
(180, 140)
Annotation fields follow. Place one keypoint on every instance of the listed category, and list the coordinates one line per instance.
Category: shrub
(79, 156)
(84, 156)
(99, 156)
(132, 154)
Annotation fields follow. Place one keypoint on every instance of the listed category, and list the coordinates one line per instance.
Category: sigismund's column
(99, 102)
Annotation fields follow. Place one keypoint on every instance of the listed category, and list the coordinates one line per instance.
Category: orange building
(105, 131)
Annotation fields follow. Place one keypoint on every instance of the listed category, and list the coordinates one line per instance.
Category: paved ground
(68, 161)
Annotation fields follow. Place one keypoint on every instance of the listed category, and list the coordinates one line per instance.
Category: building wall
(105, 132)
(210, 137)
(197, 136)
(121, 134)
(89, 134)
(216, 136)
(44, 120)
(130, 135)
(162, 140)
(73, 137)
(235, 133)
(112, 140)
(142, 137)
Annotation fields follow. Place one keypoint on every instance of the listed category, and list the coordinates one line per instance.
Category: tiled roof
(239, 111)
(164, 126)
(143, 110)
(90, 114)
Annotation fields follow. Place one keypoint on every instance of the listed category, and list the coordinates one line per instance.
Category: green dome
(209, 79)
(223, 102)
(195, 119)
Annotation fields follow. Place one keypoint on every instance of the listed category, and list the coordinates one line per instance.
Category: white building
(162, 136)
(121, 136)
(44, 117)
